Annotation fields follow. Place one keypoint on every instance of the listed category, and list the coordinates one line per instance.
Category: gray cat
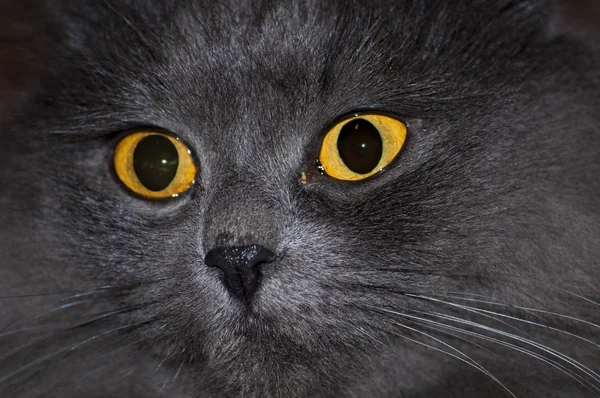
(260, 198)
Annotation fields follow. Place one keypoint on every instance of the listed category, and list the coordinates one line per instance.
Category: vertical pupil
(155, 161)
(360, 146)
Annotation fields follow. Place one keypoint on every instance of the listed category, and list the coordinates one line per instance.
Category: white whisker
(474, 365)
(479, 310)
(6, 331)
(551, 351)
(165, 358)
(581, 367)
(468, 359)
(527, 309)
(376, 341)
(64, 351)
(548, 361)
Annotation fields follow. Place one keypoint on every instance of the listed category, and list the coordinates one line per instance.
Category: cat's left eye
(154, 165)
(361, 146)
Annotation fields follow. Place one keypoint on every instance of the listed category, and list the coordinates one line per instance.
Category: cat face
(467, 265)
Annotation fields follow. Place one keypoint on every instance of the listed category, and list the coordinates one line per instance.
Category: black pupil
(155, 161)
(360, 146)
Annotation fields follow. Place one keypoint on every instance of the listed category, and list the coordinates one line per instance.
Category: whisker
(128, 22)
(85, 323)
(115, 341)
(131, 371)
(495, 276)
(373, 338)
(10, 332)
(8, 326)
(577, 295)
(98, 369)
(469, 342)
(165, 358)
(113, 312)
(479, 310)
(530, 353)
(123, 286)
(21, 296)
(546, 360)
(180, 367)
(497, 303)
(6, 330)
(174, 377)
(66, 350)
(541, 347)
(82, 292)
(468, 361)
(349, 353)
(517, 348)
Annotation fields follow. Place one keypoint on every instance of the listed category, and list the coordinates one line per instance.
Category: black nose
(241, 266)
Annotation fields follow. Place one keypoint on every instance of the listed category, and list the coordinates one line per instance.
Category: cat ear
(580, 18)
(20, 27)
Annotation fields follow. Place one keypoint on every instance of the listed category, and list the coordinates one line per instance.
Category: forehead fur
(131, 47)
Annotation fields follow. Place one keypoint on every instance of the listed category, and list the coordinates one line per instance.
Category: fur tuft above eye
(154, 165)
(361, 146)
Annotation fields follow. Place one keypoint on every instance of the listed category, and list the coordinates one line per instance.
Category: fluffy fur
(467, 268)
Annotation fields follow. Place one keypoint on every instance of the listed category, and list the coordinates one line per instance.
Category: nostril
(241, 266)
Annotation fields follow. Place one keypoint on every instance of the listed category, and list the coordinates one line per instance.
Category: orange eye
(361, 146)
(154, 165)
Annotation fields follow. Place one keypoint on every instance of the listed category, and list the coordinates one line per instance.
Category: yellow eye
(154, 165)
(360, 146)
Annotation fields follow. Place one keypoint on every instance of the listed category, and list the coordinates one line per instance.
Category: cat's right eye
(154, 165)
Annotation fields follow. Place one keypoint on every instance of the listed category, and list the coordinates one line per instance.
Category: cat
(464, 265)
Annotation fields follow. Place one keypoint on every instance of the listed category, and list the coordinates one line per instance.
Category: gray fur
(494, 198)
